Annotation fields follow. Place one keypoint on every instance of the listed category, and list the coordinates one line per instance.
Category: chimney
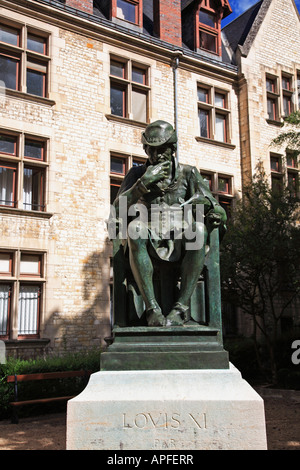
(83, 5)
(167, 20)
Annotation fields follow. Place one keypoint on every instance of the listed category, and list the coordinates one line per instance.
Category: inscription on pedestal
(171, 423)
(162, 420)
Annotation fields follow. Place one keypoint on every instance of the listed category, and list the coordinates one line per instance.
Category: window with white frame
(23, 169)
(22, 281)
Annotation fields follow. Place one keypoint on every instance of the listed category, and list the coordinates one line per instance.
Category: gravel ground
(48, 432)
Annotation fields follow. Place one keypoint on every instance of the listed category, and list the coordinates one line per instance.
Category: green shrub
(44, 388)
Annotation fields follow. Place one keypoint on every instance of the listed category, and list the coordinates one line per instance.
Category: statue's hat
(159, 133)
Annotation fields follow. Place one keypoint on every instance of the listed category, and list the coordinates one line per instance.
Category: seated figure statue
(163, 182)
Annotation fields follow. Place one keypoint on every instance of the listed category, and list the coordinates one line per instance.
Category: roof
(243, 30)
(224, 3)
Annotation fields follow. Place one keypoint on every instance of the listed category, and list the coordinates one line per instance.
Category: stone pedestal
(166, 410)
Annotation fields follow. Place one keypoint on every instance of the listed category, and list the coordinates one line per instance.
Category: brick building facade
(80, 82)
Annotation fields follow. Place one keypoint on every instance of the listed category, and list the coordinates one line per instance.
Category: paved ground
(48, 432)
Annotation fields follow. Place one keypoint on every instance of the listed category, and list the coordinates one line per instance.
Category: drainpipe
(175, 67)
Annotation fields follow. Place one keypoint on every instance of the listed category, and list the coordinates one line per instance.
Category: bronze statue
(162, 182)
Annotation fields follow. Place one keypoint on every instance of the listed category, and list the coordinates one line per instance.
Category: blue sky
(239, 6)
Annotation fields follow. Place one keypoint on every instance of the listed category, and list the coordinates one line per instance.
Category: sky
(239, 6)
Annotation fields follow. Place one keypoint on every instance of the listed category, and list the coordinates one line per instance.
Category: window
(24, 289)
(221, 187)
(213, 113)
(208, 25)
(276, 172)
(128, 10)
(119, 165)
(284, 172)
(23, 168)
(287, 94)
(272, 98)
(292, 172)
(129, 90)
(17, 53)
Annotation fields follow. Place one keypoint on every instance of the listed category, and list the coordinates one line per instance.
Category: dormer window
(208, 26)
(128, 10)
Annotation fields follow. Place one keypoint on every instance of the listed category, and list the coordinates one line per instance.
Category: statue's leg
(142, 270)
(190, 271)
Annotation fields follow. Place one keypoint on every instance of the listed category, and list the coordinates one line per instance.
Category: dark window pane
(126, 10)
(35, 82)
(203, 120)
(286, 84)
(223, 185)
(270, 84)
(34, 149)
(138, 75)
(293, 183)
(36, 43)
(9, 71)
(227, 206)
(208, 41)
(207, 19)
(8, 144)
(114, 189)
(203, 95)
(117, 69)
(117, 103)
(9, 35)
(291, 160)
(271, 109)
(275, 164)
(117, 165)
(277, 184)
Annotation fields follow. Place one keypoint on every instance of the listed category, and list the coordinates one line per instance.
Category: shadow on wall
(85, 321)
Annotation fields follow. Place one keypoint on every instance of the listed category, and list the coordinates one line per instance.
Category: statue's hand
(198, 199)
(216, 217)
(156, 173)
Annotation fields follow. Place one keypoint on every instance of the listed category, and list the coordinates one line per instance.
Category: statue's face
(159, 154)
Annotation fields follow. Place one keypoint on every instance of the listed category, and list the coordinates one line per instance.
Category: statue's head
(159, 141)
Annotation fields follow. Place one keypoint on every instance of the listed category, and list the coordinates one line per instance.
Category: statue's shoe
(177, 315)
(155, 317)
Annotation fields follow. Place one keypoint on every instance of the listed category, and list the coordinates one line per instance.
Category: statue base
(167, 410)
(165, 348)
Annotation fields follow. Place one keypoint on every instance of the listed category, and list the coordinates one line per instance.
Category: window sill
(24, 212)
(26, 96)
(275, 123)
(127, 121)
(216, 142)
(26, 343)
